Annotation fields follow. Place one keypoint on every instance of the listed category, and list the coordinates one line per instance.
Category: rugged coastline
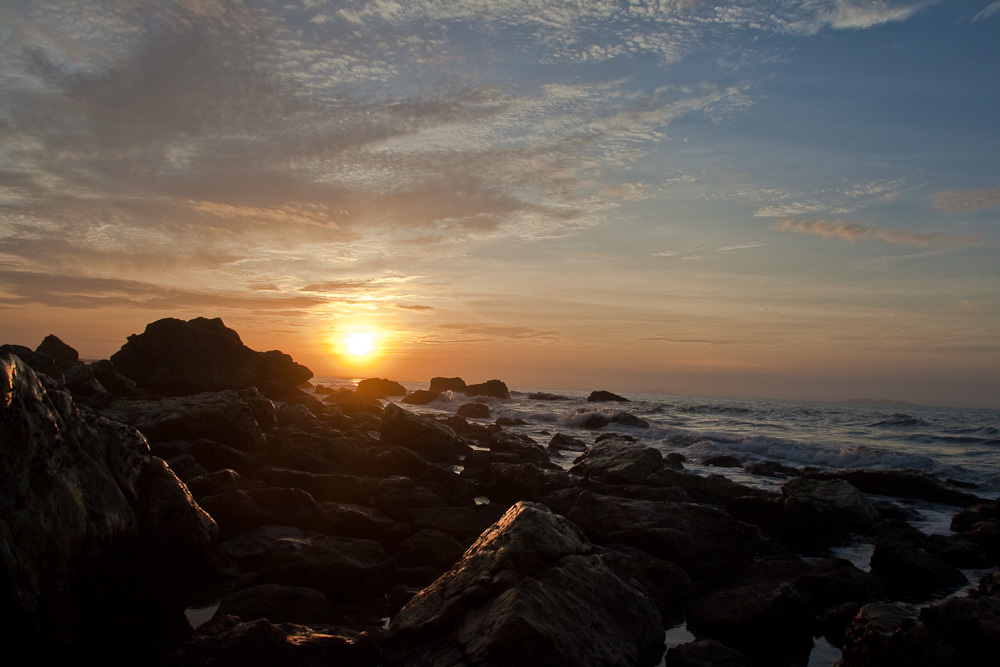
(316, 516)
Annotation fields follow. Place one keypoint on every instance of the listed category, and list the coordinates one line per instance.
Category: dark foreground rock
(176, 357)
(493, 388)
(443, 384)
(92, 528)
(530, 591)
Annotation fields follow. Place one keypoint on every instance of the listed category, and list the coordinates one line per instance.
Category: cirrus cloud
(855, 231)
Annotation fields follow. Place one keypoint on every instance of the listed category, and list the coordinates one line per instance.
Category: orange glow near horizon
(358, 345)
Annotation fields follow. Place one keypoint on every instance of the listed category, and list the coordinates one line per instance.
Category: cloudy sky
(783, 198)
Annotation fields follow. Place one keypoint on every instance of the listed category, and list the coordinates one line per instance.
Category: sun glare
(360, 343)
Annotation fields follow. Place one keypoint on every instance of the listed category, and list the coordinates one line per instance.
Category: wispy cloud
(966, 201)
(989, 11)
(854, 231)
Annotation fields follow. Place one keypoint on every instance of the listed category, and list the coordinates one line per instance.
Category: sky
(777, 198)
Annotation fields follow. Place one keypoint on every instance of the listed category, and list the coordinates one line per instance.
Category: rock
(903, 484)
(447, 384)
(228, 641)
(316, 453)
(705, 653)
(465, 524)
(714, 489)
(380, 388)
(181, 358)
(278, 604)
(64, 355)
(322, 487)
(81, 382)
(605, 396)
(223, 416)
(523, 446)
(912, 572)
(723, 461)
(618, 461)
(214, 456)
(242, 511)
(426, 437)
(92, 527)
(421, 397)
(494, 388)
(853, 509)
(798, 523)
(397, 461)
(296, 414)
(342, 568)
(49, 373)
(510, 482)
(966, 519)
(474, 411)
(430, 547)
(705, 541)
(561, 442)
(954, 631)
(530, 591)
(771, 469)
(115, 383)
(399, 496)
(542, 396)
(771, 624)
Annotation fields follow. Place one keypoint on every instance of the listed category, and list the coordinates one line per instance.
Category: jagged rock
(853, 509)
(115, 383)
(92, 526)
(523, 446)
(315, 453)
(421, 397)
(223, 416)
(49, 372)
(911, 571)
(903, 484)
(180, 358)
(510, 482)
(342, 568)
(494, 388)
(380, 388)
(447, 384)
(705, 541)
(424, 436)
(770, 623)
(474, 411)
(618, 461)
(798, 523)
(606, 396)
(531, 590)
(543, 396)
(64, 355)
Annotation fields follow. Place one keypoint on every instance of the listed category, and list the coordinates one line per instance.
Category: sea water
(956, 444)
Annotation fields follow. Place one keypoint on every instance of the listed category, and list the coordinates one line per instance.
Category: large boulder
(227, 417)
(443, 384)
(707, 542)
(380, 388)
(493, 388)
(92, 526)
(619, 461)
(426, 437)
(179, 358)
(602, 396)
(530, 591)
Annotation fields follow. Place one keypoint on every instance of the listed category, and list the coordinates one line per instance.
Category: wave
(899, 419)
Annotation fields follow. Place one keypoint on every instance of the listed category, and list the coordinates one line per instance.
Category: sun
(359, 344)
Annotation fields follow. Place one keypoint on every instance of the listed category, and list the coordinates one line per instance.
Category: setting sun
(360, 343)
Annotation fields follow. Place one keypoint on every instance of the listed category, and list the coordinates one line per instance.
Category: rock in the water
(494, 388)
(530, 591)
(606, 396)
(619, 461)
(903, 484)
(278, 604)
(380, 388)
(474, 411)
(447, 384)
(92, 526)
(64, 355)
(424, 436)
(853, 509)
(179, 358)
(562, 442)
(421, 397)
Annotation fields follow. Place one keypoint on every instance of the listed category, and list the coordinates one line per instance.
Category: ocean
(962, 445)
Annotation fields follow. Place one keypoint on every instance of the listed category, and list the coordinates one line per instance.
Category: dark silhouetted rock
(93, 526)
(222, 416)
(705, 541)
(510, 482)
(722, 461)
(542, 396)
(606, 396)
(278, 604)
(426, 437)
(474, 411)
(714, 489)
(64, 355)
(798, 523)
(618, 461)
(180, 358)
(771, 469)
(530, 591)
(242, 511)
(447, 384)
(561, 442)
(421, 397)
(430, 547)
(493, 388)
(912, 572)
(903, 484)
(342, 568)
(853, 509)
(316, 453)
(705, 653)
(380, 388)
(115, 383)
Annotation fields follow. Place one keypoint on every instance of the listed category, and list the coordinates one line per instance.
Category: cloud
(853, 231)
(986, 13)
(966, 201)
(742, 246)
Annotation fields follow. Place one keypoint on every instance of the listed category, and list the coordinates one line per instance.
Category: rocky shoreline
(333, 527)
